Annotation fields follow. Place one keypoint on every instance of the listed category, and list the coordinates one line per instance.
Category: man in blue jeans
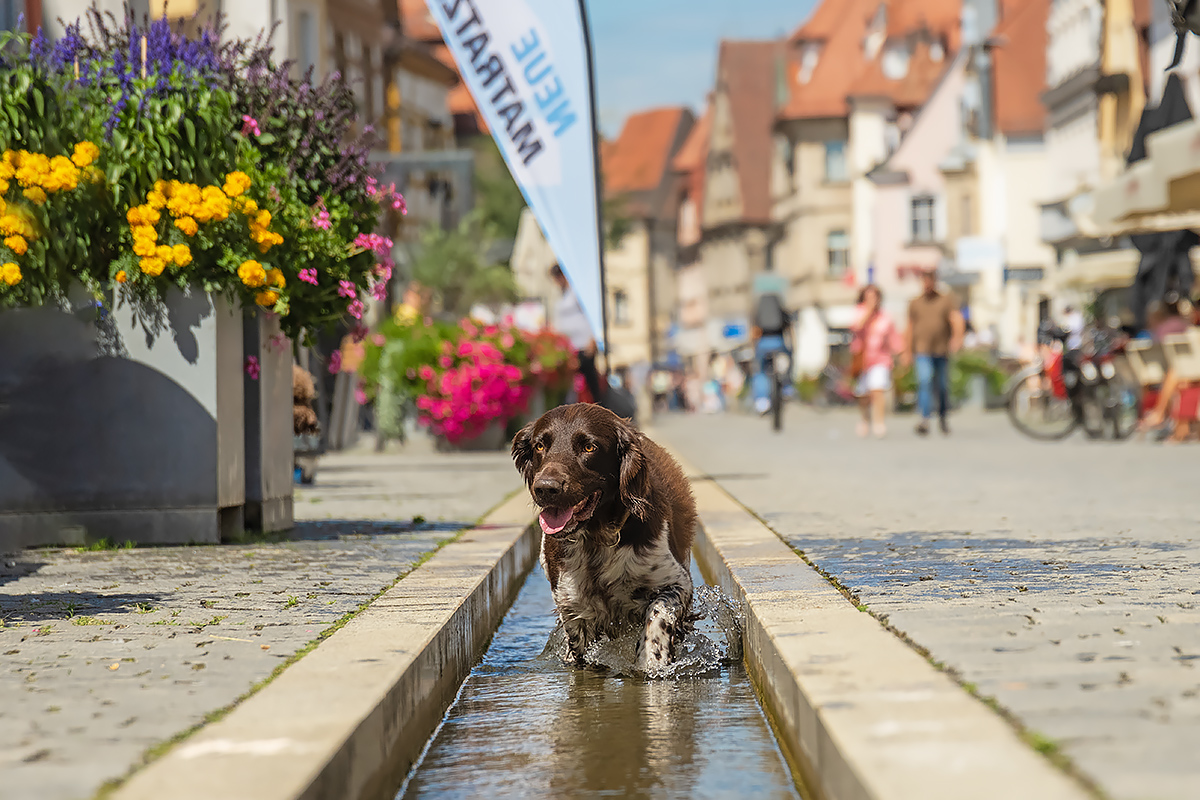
(935, 332)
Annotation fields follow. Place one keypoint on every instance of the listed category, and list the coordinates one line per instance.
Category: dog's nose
(546, 490)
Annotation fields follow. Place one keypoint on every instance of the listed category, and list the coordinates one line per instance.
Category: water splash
(714, 641)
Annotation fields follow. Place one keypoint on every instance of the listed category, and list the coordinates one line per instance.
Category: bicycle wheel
(777, 403)
(1035, 410)
(1121, 402)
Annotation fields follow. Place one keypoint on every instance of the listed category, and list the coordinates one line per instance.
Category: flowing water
(527, 725)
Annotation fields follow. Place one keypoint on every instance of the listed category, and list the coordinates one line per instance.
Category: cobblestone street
(105, 654)
(1062, 579)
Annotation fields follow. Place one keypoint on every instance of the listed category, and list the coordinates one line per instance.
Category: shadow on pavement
(62, 606)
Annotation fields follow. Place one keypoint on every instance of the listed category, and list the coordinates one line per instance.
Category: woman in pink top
(876, 337)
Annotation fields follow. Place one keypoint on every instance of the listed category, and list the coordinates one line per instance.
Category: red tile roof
(1020, 69)
(637, 161)
(749, 70)
(417, 21)
(938, 17)
(821, 24)
(841, 58)
(911, 91)
(843, 71)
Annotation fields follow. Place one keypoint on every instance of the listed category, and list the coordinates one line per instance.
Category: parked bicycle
(1067, 389)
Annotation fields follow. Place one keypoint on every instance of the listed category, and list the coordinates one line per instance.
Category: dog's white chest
(611, 587)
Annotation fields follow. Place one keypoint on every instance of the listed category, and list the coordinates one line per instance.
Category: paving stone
(1070, 567)
(104, 654)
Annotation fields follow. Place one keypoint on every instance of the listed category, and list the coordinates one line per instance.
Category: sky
(664, 52)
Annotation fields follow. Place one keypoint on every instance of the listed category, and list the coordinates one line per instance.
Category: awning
(1160, 189)
(1104, 270)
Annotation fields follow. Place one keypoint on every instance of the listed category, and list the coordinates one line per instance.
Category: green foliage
(456, 266)
(498, 199)
(963, 367)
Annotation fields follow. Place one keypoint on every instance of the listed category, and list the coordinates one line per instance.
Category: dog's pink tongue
(553, 520)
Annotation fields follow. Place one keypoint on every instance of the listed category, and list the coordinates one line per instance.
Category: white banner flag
(527, 63)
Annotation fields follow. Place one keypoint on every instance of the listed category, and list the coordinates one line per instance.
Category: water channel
(527, 725)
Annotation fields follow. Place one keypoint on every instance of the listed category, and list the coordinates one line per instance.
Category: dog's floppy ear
(635, 477)
(522, 452)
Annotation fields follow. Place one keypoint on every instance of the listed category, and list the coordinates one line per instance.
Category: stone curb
(860, 713)
(347, 721)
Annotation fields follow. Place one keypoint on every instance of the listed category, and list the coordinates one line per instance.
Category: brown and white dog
(617, 518)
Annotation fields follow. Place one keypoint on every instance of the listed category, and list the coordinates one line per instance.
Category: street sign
(1023, 274)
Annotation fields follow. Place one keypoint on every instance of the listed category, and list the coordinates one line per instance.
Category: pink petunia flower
(360, 395)
(250, 126)
(335, 362)
(309, 275)
(355, 309)
(347, 289)
(253, 368)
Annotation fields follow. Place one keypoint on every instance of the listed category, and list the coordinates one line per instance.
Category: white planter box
(108, 434)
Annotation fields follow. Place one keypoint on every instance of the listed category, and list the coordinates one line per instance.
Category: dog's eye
(589, 448)
(539, 447)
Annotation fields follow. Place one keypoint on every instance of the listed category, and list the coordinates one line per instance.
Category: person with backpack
(772, 329)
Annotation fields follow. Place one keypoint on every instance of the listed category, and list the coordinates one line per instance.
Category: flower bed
(462, 379)
(134, 160)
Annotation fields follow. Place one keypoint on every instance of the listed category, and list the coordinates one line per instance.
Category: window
(923, 220)
(839, 253)
(786, 155)
(306, 42)
(621, 308)
(10, 11)
(967, 221)
(835, 162)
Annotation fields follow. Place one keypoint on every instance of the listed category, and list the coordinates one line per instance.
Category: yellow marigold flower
(17, 244)
(144, 247)
(267, 299)
(236, 184)
(156, 200)
(263, 219)
(142, 215)
(165, 252)
(36, 194)
(10, 273)
(7, 170)
(3, 205)
(252, 274)
(182, 254)
(246, 205)
(275, 278)
(152, 266)
(162, 187)
(85, 154)
(121, 277)
(3, 189)
(187, 225)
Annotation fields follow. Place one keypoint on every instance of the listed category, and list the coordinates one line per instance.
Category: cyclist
(772, 329)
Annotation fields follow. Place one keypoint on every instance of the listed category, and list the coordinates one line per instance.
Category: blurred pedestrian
(875, 345)
(570, 321)
(772, 328)
(935, 332)
(1073, 324)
